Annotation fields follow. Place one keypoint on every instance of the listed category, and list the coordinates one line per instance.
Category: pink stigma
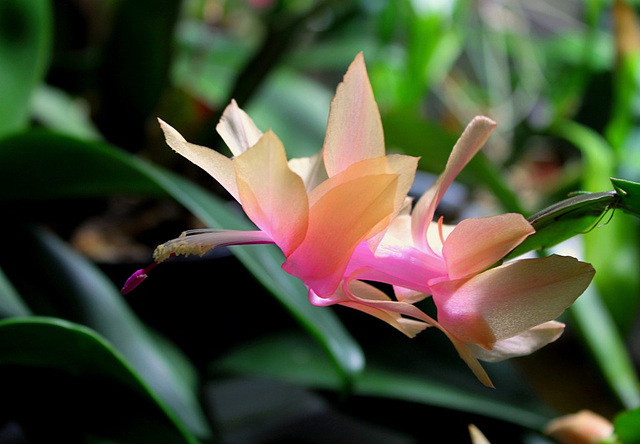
(136, 278)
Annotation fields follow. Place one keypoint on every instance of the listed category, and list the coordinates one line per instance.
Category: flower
(489, 313)
(342, 217)
(317, 209)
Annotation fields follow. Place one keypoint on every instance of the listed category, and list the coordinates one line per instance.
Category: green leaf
(39, 164)
(26, 172)
(25, 45)
(578, 215)
(607, 346)
(627, 426)
(77, 291)
(58, 111)
(629, 193)
(613, 248)
(295, 108)
(67, 376)
(291, 358)
(135, 68)
(565, 219)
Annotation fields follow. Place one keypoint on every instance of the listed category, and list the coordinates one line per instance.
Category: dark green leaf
(25, 41)
(77, 291)
(135, 68)
(292, 358)
(43, 165)
(595, 324)
(64, 381)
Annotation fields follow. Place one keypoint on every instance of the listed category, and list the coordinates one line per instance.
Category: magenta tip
(134, 280)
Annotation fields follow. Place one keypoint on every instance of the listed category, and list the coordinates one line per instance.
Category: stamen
(440, 229)
(200, 241)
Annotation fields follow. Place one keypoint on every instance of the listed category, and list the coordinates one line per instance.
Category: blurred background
(226, 348)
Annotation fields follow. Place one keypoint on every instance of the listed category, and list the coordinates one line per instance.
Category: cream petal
(272, 195)
(310, 169)
(408, 295)
(478, 243)
(354, 129)
(505, 301)
(477, 437)
(472, 139)
(521, 345)
(214, 163)
(237, 129)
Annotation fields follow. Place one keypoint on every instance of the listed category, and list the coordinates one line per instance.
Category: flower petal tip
(134, 280)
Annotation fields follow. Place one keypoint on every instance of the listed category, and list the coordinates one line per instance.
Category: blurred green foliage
(227, 348)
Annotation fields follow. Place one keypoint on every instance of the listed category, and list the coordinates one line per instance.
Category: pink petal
(237, 129)
(272, 195)
(469, 143)
(354, 129)
(478, 243)
(521, 345)
(214, 163)
(505, 301)
(400, 265)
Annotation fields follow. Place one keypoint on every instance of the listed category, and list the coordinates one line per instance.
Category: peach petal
(507, 300)
(354, 129)
(338, 221)
(478, 243)
(472, 139)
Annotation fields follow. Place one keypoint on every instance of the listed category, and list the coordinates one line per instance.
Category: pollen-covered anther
(189, 242)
